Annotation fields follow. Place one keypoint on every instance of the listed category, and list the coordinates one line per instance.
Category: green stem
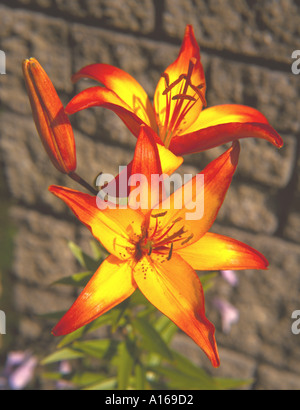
(82, 182)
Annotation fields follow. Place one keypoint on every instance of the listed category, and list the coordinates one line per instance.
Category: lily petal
(178, 296)
(227, 113)
(221, 124)
(218, 252)
(123, 85)
(169, 164)
(112, 227)
(193, 207)
(110, 285)
(145, 167)
(101, 96)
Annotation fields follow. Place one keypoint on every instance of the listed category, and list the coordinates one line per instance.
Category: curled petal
(221, 124)
(101, 96)
(218, 252)
(51, 121)
(110, 285)
(174, 288)
(227, 113)
(123, 85)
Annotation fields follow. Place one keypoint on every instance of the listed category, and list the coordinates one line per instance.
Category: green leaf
(177, 380)
(151, 338)
(85, 260)
(98, 250)
(185, 366)
(125, 364)
(71, 337)
(140, 377)
(226, 384)
(183, 374)
(52, 376)
(207, 280)
(94, 348)
(108, 384)
(88, 378)
(78, 279)
(137, 298)
(105, 319)
(166, 328)
(63, 354)
(118, 314)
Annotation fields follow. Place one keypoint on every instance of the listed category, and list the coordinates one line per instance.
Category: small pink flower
(19, 370)
(229, 313)
(230, 276)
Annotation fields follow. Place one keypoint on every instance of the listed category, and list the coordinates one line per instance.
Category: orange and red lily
(177, 115)
(157, 249)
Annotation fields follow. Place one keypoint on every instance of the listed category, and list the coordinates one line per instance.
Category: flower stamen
(179, 105)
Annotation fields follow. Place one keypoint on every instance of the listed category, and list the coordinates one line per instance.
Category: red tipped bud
(52, 123)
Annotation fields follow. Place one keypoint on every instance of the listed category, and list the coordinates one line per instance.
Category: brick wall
(246, 51)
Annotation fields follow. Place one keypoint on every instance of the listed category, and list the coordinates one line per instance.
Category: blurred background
(246, 49)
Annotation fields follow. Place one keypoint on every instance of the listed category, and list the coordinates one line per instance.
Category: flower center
(161, 240)
(184, 102)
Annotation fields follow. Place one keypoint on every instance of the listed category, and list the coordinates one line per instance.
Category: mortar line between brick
(274, 65)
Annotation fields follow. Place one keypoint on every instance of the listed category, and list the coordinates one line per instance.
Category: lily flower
(177, 115)
(157, 249)
(52, 123)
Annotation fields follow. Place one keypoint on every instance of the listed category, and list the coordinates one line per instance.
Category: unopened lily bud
(52, 123)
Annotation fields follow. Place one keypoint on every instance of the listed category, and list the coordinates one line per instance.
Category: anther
(166, 77)
(183, 97)
(159, 214)
(170, 252)
(187, 239)
(169, 87)
(177, 219)
(198, 92)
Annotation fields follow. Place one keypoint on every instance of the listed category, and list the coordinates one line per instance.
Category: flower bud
(52, 123)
